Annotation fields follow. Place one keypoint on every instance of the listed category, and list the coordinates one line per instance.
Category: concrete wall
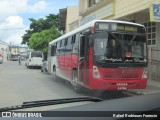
(126, 7)
(122, 7)
(72, 16)
(73, 25)
(83, 5)
(158, 36)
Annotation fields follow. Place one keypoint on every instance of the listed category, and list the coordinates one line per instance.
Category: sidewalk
(154, 83)
(152, 87)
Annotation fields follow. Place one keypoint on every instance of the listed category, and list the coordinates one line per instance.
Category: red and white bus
(101, 55)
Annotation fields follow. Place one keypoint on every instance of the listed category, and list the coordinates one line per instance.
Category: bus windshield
(120, 47)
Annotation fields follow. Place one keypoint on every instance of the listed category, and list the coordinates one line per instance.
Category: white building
(18, 49)
(4, 51)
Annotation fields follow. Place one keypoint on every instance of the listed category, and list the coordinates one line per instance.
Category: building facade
(70, 18)
(15, 50)
(146, 12)
(4, 51)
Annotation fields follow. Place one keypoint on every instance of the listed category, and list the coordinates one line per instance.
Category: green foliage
(40, 41)
(36, 26)
(41, 32)
(26, 36)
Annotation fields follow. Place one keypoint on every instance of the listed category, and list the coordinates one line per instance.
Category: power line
(12, 28)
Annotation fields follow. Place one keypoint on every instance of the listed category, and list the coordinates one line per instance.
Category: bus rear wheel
(74, 81)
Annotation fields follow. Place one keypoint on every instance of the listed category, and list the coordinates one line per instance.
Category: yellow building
(70, 18)
(146, 12)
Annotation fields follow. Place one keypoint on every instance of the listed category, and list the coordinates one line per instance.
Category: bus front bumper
(100, 84)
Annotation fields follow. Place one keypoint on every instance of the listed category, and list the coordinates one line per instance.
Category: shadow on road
(107, 95)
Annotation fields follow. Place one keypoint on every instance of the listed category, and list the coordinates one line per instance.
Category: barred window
(151, 30)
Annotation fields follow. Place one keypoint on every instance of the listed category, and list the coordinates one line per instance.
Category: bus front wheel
(74, 81)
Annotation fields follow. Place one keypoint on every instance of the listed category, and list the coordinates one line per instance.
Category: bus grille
(122, 75)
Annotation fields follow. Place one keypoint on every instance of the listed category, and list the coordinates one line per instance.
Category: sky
(14, 15)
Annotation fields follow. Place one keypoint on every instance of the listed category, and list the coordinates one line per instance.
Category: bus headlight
(144, 74)
(96, 72)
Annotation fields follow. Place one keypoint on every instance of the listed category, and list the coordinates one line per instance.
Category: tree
(54, 20)
(39, 41)
(36, 26)
(26, 36)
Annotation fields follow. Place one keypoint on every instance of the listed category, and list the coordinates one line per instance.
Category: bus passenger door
(83, 60)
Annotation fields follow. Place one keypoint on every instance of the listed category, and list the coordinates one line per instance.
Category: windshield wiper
(132, 40)
(32, 104)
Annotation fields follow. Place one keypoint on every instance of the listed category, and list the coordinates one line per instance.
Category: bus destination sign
(116, 27)
(126, 27)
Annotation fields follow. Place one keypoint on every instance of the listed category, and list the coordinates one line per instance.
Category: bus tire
(74, 81)
(54, 73)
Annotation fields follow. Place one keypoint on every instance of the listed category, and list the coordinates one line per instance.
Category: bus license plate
(121, 88)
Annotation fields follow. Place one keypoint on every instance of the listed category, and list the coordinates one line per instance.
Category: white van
(34, 59)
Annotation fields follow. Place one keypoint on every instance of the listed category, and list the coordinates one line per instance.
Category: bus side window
(73, 39)
(75, 43)
(62, 47)
(82, 45)
(69, 45)
(66, 41)
(49, 50)
(58, 48)
(53, 50)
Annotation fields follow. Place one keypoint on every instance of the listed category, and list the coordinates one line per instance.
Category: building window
(151, 30)
(91, 3)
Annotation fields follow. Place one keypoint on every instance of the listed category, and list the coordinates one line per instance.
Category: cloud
(11, 22)
(12, 29)
(10, 19)
(40, 5)
(13, 7)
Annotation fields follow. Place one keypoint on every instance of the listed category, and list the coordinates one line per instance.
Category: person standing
(19, 60)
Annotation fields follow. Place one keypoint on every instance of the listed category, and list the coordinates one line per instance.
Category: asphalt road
(19, 84)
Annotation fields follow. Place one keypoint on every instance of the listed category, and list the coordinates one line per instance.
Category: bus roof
(90, 24)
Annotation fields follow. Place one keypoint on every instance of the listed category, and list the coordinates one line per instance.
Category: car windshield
(59, 49)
